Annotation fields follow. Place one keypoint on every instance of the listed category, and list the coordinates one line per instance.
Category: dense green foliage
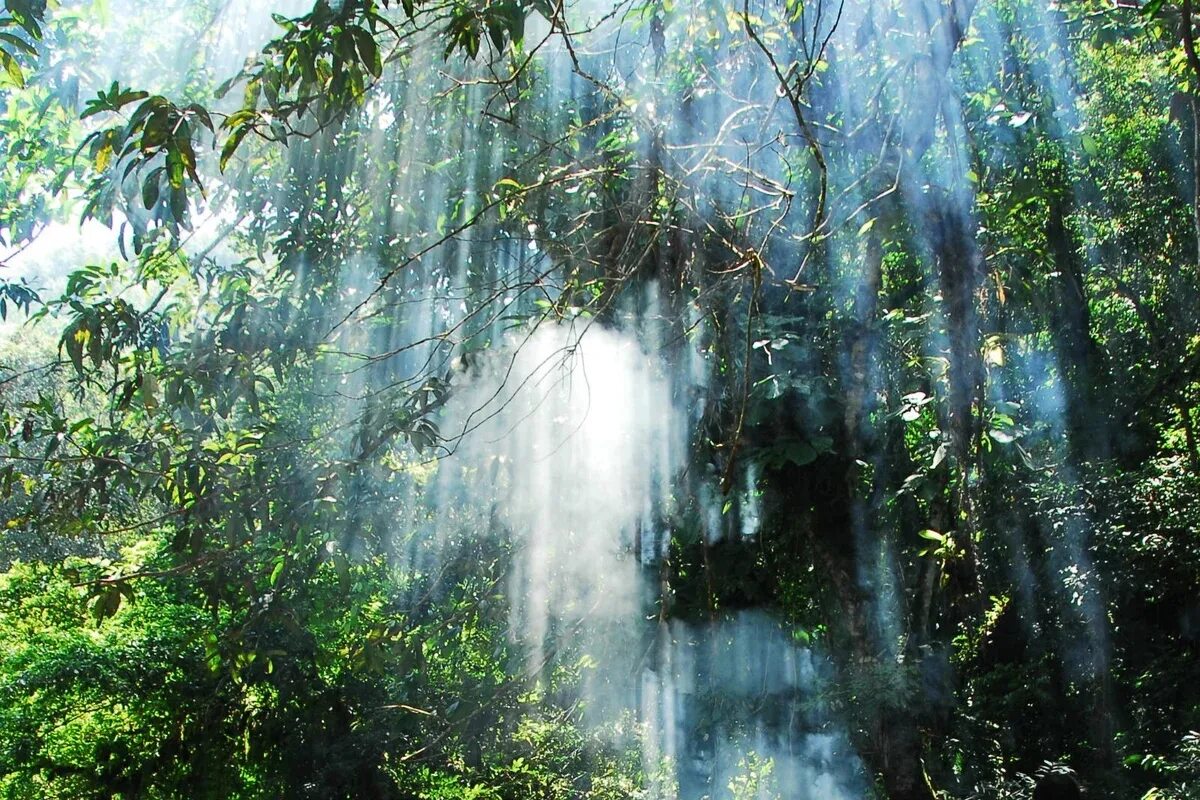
(940, 263)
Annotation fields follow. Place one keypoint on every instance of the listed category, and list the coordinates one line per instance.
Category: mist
(785, 374)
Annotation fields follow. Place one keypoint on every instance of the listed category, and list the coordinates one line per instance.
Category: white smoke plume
(571, 443)
(569, 436)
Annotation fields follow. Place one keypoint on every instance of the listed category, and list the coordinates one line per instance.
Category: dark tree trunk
(959, 264)
(887, 731)
(1071, 322)
(902, 767)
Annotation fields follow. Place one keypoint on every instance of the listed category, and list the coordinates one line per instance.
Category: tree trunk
(959, 263)
(1071, 323)
(903, 771)
(888, 733)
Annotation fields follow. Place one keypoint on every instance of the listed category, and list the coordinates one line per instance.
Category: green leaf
(150, 190)
(12, 69)
(368, 50)
(231, 144)
(275, 573)
(19, 43)
(509, 183)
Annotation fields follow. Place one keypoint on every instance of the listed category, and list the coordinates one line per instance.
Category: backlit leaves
(145, 166)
